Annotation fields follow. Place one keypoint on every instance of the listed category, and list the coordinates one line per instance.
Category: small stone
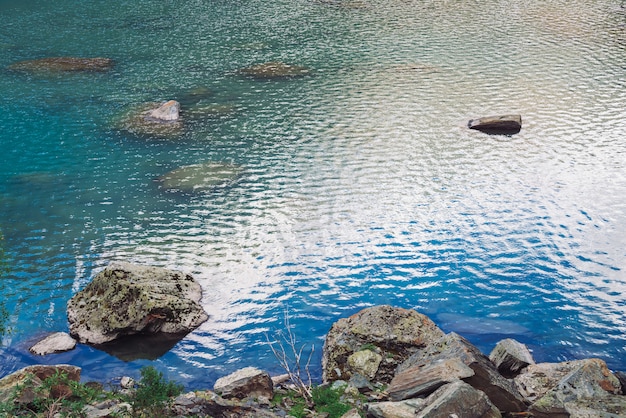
(127, 382)
(365, 362)
(54, 343)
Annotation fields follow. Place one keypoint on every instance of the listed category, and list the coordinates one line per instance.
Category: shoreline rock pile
(396, 363)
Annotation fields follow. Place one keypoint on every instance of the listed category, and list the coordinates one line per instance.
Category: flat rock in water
(197, 178)
(275, 70)
(54, 343)
(497, 125)
(63, 64)
(126, 299)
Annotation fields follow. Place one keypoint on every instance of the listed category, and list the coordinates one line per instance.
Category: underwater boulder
(197, 178)
(275, 70)
(63, 64)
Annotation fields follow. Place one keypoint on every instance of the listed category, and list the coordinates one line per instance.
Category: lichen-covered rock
(200, 178)
(246, 382)
(54, 343)
(365, 362)
(275, 70)
(395, 333)
(63, 64)
(208, 403)
(126, 299)
(510, 357)
(589, 383)
(24, 385)
(459, 400)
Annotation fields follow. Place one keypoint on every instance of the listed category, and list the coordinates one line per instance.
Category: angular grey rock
(497, 125)
(394, 333)
(425, 378)
(537, 379)
(502, 392)
(167, 112)
(460, 400)
(246, 382)
(126, 299)
(590, 380)
(54, 343)
(353, 413)
(403, 409)
(510, 357)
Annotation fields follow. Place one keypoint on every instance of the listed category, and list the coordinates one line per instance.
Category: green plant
(328, 399)
(153, 393)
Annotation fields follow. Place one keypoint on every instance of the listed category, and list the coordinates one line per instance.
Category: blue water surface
(361, 186)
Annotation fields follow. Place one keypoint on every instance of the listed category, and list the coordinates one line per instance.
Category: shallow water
(361, 183)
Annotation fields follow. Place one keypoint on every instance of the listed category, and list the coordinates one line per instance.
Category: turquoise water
(361, 183)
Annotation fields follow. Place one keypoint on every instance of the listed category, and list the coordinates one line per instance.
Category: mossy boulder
(126, 299)
(394, 333)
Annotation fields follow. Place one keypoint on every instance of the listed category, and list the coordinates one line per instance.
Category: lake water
(361, 186)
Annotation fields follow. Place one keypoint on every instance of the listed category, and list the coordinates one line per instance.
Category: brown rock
(502, 392)
(425, 378)
(497, 125)
(24, 385)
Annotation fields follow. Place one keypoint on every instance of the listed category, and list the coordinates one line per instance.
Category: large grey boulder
(393, 333)
(127, 299)
(501, 391)
(510, 357)
(54, 343)
(588, 387)
(63, 64)
(246, 382)
(402, 409)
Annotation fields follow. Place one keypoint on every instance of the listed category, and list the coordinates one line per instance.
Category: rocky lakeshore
(382, 362)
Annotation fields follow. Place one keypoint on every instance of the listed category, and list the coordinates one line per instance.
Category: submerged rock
(497, 125)
(197, 178)
(54, 343)
(63, 64)
(127, 299)
(275, 70)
